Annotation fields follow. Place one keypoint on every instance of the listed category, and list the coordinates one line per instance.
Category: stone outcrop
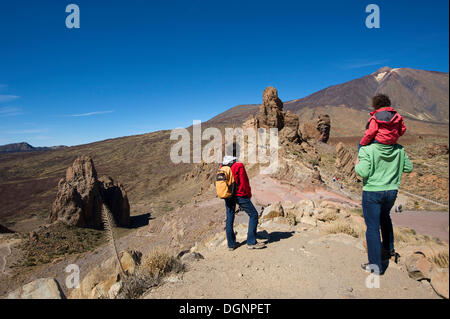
(43, 288)
(272, 211)
(316, 178)
(81, 195)
(345, 163)
(324, 126)
(290, 131)
(439, 278)
(116, 198)
(317, 130)
(418, 263)
(104, 280)
(271, 115)
(307, 212)
(271, 110)
(418, 266)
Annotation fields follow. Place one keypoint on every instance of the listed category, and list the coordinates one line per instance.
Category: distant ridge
(25, 147)
(422, 97)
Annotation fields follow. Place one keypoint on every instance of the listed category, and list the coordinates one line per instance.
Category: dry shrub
(440, 259)
(405, 235)
(149, 273)
(356, 211)
(344, 228)
(159, 263)
(328, 217)
(136, 285)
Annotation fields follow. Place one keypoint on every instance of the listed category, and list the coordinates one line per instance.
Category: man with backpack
(233, 186)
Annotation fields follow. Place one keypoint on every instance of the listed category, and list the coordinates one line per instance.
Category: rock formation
(303, 156)
(42, 288)
(323, 126)
(317, 130)
(105, 280)
(271, 115)
(345, 163)
(271, 110)
(115, 197)
(290, 131)
(419, 267)
(81, 195)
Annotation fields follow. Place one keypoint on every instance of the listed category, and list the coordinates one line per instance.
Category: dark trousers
(251, 211)
(376, 209)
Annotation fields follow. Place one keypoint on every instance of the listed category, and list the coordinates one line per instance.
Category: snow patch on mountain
(380, 76)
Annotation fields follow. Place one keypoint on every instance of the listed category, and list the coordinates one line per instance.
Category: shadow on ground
(140, 220)
(277, 236)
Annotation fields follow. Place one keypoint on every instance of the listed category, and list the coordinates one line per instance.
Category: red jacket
(241, 178)
(385, 126)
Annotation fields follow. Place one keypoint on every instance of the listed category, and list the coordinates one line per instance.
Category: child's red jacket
(385, 126)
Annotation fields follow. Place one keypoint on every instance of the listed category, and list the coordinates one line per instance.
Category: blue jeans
(251, 211)
(376, 209)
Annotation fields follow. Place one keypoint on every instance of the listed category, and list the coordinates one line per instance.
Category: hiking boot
(233, 248)
(368, 269)
(256, 246)
(388, 254)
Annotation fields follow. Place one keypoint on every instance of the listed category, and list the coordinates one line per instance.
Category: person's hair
(380, 100)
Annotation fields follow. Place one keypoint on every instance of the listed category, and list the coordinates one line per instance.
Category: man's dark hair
(380, 100)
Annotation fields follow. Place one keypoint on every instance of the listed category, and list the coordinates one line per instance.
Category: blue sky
(139, 66)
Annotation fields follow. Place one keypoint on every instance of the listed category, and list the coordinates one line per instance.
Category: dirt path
(267, 190)
(435, 224)
(297, 263)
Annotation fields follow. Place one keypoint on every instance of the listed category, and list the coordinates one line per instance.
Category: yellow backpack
(225, 183)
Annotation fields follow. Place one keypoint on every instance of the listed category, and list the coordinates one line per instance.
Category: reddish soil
(433, 224)
(267, 190)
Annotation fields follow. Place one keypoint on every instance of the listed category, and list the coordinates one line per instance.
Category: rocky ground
(303, 258)
(298, 262)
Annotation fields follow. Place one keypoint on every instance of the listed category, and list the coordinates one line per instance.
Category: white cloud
(7, 98)
(9, 111)
(90, 113)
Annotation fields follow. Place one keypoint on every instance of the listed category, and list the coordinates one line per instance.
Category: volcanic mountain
(422, 97)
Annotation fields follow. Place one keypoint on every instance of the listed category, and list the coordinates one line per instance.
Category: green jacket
(381, 166)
